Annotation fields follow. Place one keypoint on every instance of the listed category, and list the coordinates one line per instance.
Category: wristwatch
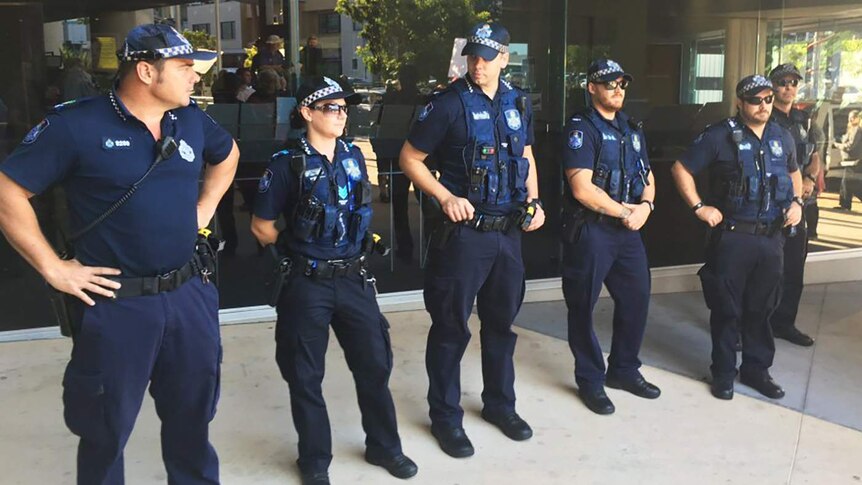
(799, 201)
(811, 177)
(650, 204)
(697, 206)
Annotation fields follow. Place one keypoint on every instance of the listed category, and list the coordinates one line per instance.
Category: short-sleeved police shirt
(584, 141)
(96, 150)
(443, 124)
(813, 132)
(279, 193)
(715, 148)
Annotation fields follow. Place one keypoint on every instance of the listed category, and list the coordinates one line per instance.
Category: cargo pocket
(84, 405)
(387, 341)
(217, 385)
(717, 293)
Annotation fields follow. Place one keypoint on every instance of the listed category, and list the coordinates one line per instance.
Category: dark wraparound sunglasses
(611, 85)
(756, 100)
(331, 108)
(787, 82)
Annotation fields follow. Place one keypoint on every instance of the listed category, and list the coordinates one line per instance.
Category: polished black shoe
(317, 478)
(763, 384)
(794, 336)
(597, 401)
(453, 441)
(722, 390)
(510, 424)
(399, 466)
(637, 386)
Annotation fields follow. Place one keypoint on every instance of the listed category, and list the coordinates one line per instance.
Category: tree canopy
(417, 32)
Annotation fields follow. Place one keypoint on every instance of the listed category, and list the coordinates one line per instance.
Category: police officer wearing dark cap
(809, 140)
(611, 195)
(144, 311)
(480, 130)
(323, 192)
(754, 197)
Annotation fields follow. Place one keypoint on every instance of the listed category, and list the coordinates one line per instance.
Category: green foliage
(200, 39)
(418, 32)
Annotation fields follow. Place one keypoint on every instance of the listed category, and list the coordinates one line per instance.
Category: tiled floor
(685, 437)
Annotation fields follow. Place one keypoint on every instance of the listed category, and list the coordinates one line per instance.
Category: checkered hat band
(163, 53)
(756, 83)
(489, 43)
(311, 98)
(604, 72)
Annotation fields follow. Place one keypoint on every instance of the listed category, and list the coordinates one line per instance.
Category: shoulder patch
(35, 132)
(576, 139)
(425, 111)
(265, 181)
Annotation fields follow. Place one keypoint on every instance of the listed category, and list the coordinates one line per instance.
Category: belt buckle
(165, 280)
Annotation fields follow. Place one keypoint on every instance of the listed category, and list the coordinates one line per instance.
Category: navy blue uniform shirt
(715, 148)
(96, 150)
(442, 128)
(279, 193)
(586, 141)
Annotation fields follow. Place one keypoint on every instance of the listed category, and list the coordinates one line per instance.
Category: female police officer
(323, 191)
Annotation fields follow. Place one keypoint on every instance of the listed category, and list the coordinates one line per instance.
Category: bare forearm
(533, 175)
(21, 227)
(685, 184)
(412, 162)
(217, 179)
(796, 178)
(813, 168)
(264, 231)
(649, 190)
(592, 196)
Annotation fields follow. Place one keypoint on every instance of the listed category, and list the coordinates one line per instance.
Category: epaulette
(71, 104)
(279, 154)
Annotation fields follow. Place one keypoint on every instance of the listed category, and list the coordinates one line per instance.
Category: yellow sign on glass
(107, 53)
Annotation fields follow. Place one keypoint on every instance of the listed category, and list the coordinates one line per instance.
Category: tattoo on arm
(625, 213)
(601, 210)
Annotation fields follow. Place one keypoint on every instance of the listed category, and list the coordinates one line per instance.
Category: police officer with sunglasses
(322, 191)
(610, 196)
(809, 141)
(754, 195)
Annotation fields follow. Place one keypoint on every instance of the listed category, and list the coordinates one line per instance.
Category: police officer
(322, 190)
(146, 313)
(480, 130)
(809, 140)
(611, 195)
(755, 191)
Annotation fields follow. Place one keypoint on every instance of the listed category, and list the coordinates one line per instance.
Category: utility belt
(754, 228)
(604, 219)
(489, 223)
(327, 268)
(153, 285)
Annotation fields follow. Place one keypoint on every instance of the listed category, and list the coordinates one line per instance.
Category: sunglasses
(757, 100)
(787, 82)
(331, 108)
(612, 85)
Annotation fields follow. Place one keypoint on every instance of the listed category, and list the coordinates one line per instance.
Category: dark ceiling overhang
(69, 9)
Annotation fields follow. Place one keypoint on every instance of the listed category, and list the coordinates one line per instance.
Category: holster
(280, 268)
(573, 221)
(442, 233)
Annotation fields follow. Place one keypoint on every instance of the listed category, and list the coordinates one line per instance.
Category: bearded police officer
(610, 197)
(480, 130)
(146, 312)
(809, 140)
(755, 191)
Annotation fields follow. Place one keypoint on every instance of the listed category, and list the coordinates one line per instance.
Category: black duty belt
(327, 268)
(153, 285)
(754, 228)
(606, 219)
(488, 223)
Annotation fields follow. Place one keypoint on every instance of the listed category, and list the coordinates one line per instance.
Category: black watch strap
(697, 206)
